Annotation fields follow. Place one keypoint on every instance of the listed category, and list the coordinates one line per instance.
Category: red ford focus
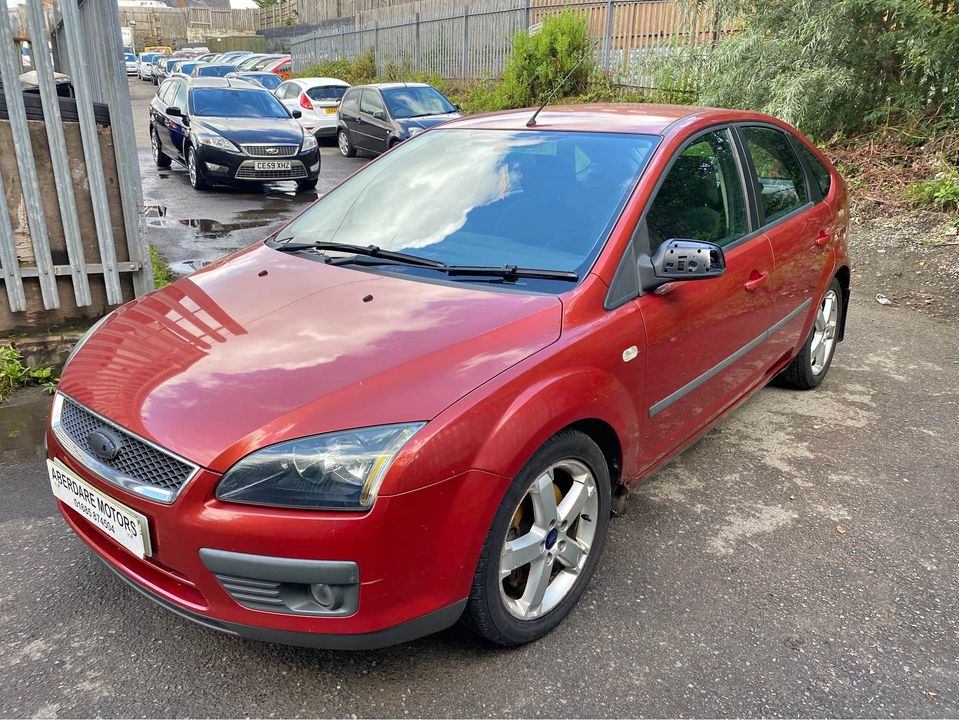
(419, 400)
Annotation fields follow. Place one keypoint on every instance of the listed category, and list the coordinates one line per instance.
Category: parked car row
(156, 66)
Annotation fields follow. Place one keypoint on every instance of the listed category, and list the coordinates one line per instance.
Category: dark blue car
(229, 131)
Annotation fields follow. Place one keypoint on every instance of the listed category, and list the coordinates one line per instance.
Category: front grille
(137, 463)
(271, 151)
(248, 172)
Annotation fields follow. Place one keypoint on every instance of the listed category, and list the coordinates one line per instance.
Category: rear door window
(350, 102)
(702, 196)
(820, 174)
(781, 184)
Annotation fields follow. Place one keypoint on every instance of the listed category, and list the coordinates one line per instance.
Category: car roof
(637, 118)
(312, 81)
(218, 82)
(388, 85)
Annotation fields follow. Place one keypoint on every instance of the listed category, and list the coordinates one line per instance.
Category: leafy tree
(831, 65)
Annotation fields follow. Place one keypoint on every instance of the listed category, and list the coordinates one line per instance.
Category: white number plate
(272, 165)
(126, 526)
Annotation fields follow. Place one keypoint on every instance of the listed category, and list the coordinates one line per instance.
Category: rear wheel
(808, 369)
(343, 142)
(159, 157)
(544, 543)
(196, 172)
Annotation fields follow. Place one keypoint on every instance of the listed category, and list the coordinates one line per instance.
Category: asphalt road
(800, 560)
(190, 228)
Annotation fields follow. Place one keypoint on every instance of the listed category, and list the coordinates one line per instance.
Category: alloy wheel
(343, 142)
(824, 332)
(548, 540)
(155, 144)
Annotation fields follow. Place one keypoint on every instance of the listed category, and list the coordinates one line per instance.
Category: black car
(230, 131)
(377, 117)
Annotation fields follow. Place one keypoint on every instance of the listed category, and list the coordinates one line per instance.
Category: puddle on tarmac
(158, 216)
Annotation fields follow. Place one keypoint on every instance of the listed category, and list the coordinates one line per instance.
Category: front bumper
(414, 554)
(231, 167)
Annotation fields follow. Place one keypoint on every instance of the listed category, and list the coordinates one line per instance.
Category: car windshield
(187, 67)
(215, 70)
(407, 102)
(267, 80)
(230, 102)
(326, 92)
(534, 199)
(130, 57)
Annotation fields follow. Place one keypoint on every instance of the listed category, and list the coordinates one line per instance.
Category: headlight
(218, 142)
(415, 131)
(338, 471)
(86, 336)
(309, 142)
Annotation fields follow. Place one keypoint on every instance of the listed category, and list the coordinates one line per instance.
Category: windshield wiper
(375, 254)
(369, 250)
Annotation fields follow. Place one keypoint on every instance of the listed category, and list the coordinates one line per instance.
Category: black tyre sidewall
(807, 378)
(570, 444)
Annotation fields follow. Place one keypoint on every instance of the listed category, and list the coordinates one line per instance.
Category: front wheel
(308, 184)
(808, 369)
(343, 142)
(544, 543)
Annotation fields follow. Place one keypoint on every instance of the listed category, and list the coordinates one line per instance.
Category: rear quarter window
(820, 173)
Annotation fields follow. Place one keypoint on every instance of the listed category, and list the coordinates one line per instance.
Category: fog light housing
(315, 167)
(323, 595)
(215, 168)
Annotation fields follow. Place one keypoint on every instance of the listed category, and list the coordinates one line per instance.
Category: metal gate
(40, 276)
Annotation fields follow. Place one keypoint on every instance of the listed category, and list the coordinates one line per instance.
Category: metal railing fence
(473, 40)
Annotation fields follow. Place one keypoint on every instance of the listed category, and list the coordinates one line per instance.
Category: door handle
(822, 239)
(756, 279)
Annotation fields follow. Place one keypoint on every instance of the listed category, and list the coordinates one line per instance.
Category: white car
(317, 98)
(131, 62)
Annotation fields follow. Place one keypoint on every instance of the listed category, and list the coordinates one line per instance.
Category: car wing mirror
(174, 111)
(682, 259)
(379, 114)
(297, 114)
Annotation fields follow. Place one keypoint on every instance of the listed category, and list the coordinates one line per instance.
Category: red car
(419, 400)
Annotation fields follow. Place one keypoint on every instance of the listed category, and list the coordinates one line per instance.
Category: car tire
(197, 181)
(504, 611)
(159, 157)
(808, 369)
(308, 184)
(343, 142)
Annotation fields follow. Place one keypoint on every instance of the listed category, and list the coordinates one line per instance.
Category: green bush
(538, 64)
(358, 71)
(940, 192)
(14, 374)
(836, 65)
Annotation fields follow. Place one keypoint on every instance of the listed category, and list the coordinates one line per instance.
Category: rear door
(705, 336)
(372, 126)
(797, 223)
(161, 121)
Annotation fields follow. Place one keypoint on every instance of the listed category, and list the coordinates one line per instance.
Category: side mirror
(680, 259)
(379, 114)
(297, 114)
(174, 111)
(456, 106)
